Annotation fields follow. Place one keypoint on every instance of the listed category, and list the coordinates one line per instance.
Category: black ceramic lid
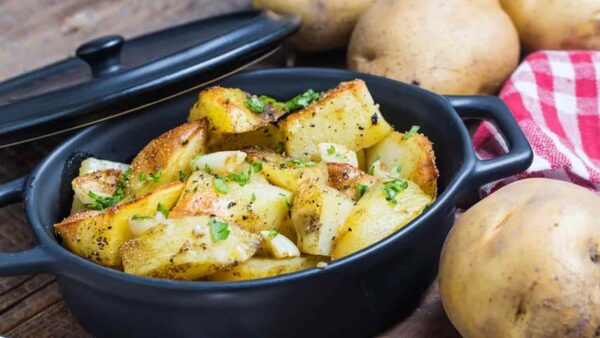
(111, 77)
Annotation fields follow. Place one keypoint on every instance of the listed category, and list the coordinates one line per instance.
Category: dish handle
(34, 260)
(493, 109)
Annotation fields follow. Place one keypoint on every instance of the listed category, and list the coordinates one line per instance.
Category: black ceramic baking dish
(356, 296)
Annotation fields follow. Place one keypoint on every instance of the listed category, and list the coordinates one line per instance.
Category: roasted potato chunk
(378, 214)
(167, 157)
(188, 248)
(97, 235)
(91, 164)
(318, 212)
(102, 183)
(255, 206)
(349, 180)
(412, 154)
(287, 172)
(262, 267)
(267, 137)
(231, 110)
(345, 115)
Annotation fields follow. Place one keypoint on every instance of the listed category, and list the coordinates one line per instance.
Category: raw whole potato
(446, 46)
(525, 262)
(326, 24)
(556, 24)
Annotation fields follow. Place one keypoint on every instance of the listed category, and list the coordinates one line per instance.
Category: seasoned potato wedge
(412, 154)
(267, 137)
(317, 214)
(188, 248)
(346, 178)
(97, 235)
(255, 206)
(287, 172)
(102, 183)
(345, 115)
(228, 110)
(167, 157)
(262, 267)
(374, 217)
(92, 164)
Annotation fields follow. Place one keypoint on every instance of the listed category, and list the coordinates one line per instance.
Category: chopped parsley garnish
(240, 178)
(279, 148)
(302, 101)
(273, 234)
(183, 176)
(331, 150)
(156, 176)
(142, 177)
(361, 189)
(140, 217)
(371, 169)
(396, 169)
(207, 168)
(123, 179)
(219, 231)
(413, 130)
(288, 202)
(252, 198)
(392, 188)
(269, 100)
(103, 202)
(255, 104)
(161, 208)
(256, 166)
(220, 185)
(299, 163)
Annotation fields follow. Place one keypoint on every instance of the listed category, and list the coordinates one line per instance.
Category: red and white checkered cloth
(555, 98)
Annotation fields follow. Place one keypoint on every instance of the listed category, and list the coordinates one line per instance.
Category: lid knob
(102, 54)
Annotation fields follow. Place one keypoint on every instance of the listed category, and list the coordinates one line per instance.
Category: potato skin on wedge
(413, 154)
(345, 115)
(263, 267)
(102, 182)
(346, 178)
(228, 111)
(267, 137)
(162, 160)
(185, 249)
(374, 217)
(97, 235)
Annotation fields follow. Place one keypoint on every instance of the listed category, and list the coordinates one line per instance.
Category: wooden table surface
(36, 33)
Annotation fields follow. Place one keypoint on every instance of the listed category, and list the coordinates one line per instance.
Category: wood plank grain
(21, 292)
(36, 33)
(55, 321)
(30, 306)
